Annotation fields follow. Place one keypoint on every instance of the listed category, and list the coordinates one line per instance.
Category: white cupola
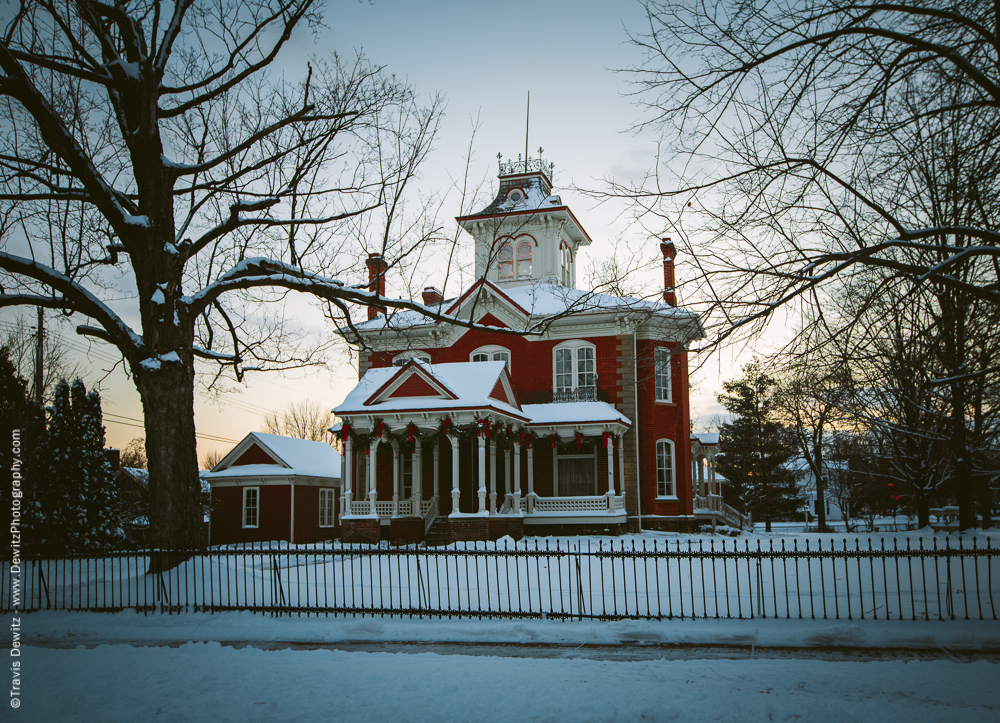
(526, 234)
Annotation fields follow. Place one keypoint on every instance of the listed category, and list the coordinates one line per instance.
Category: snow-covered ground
(209, 681)
(254, 667)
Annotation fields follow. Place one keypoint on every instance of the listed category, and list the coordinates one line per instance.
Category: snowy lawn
(206, 681)
(909, 576)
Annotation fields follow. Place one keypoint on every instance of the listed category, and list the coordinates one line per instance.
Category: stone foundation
(469, 529)
(686, 525)
(362, 530)
(501, 526)
(406, 530)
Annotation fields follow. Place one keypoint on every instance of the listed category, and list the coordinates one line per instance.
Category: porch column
(482, 474)
(609, 442)
(437, 466)
(395, 478)
(372, 478)
(517, 478)
(418, 477)
(621, 460)
(531, 479)
(347, 468)
(454, 473)
(493, 476)
(506, 476)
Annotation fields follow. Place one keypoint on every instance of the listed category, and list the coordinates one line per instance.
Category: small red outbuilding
(275, 488)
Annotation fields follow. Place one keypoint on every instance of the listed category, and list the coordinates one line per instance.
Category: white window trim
(508, 244)
(403, 357)
(331, 493)
(574, 345)
(527, 240)
(243, 518)
(673, 469)
(660, 350)
(491, 349)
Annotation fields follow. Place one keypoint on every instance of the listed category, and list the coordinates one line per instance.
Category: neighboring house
(806, 479)
(466, 433)
(709, 496)
(275, 488)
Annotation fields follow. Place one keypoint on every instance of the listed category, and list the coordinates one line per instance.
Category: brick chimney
(376, 281)
(669, 252)
(432, 296)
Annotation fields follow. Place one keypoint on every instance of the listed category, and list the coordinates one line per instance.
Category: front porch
(487, 479)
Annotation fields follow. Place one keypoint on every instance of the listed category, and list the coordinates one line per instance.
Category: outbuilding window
(251, 506)
(326, 516)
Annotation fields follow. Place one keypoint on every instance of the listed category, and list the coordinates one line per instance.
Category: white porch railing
(429, 510)
(714, 503)
(384, 508)
(568, 507)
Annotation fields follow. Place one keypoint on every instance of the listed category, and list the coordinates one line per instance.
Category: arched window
(491, 353)
(665, 486)
(507, 261)
(661, 372)
(401, 359)
(523, 260)
(575, 369)
(566, 264)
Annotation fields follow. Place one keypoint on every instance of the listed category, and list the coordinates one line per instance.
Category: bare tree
(305, 419)
(134, 454)
(211, 458)
(20, 339)
(148, 150)
(810, 403)
(783, 120)
(855, 138)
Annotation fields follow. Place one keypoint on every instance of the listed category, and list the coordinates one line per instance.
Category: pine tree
(76, 501)
(756, 448)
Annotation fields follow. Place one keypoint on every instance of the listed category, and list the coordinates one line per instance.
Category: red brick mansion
(555, 410)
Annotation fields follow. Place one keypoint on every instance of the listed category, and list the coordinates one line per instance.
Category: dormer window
(515, 196)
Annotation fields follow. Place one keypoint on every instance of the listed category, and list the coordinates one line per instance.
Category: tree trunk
(174, 487)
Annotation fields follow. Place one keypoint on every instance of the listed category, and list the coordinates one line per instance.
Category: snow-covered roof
(293, 458)
(541, 299)
(536, 196)
(470, 385)
(574, 413)
(706, 438)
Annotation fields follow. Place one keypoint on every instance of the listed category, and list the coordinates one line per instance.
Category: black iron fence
(883, 579)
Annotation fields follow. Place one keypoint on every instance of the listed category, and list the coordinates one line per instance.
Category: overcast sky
(484, 59)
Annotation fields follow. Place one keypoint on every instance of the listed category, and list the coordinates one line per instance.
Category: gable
(490, 320)
(254, 454)
(414, 386)
(499, 393)
(410, 381)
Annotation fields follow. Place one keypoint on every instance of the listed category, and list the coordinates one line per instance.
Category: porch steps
(439, 534)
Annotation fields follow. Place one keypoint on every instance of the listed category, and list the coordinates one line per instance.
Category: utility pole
(39, 346)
